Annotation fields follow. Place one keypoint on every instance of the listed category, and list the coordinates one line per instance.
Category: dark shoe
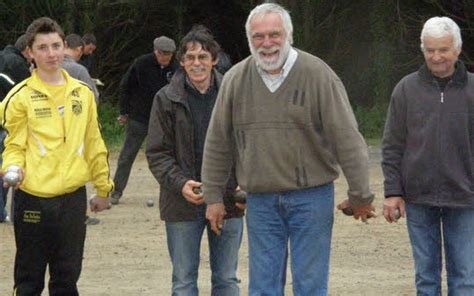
(92, 220)
(115, 197)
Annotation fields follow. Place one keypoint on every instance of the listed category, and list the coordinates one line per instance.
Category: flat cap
(164, 43)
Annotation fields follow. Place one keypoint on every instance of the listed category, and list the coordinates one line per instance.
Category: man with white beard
(283, 118)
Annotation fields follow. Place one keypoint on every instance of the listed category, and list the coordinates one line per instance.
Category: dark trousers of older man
(135, 135)
(49, 232)
(3, 191)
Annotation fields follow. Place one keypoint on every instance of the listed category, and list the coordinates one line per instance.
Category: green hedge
(112, 132)
(371, 120)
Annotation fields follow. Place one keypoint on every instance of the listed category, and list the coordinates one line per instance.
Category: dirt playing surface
(126, 254)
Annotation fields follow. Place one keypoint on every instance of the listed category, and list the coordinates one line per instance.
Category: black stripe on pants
(49, 231)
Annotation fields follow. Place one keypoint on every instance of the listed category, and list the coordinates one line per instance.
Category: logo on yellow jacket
(76, 107)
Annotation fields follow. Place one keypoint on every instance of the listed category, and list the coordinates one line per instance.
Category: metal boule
(12, 178)
(13, 168)
(240, 196)
(348, 211)
(197, 190)
(397, 214)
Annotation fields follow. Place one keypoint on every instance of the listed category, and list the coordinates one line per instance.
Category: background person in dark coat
(145, 77)
(15, 64)
(14, 68)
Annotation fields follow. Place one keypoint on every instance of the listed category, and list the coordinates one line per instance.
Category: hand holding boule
(13, 177)
(98, 204)
(364, 212)
(393, 208)
(192, 192)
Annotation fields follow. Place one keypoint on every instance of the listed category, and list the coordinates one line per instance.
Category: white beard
(271, 64)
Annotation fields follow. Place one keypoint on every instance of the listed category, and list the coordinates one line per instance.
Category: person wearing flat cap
(143, 79)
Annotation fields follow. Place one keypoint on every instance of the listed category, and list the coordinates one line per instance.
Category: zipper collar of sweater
(459, 76)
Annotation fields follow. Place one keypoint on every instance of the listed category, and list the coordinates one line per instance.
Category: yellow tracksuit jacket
(58, 154)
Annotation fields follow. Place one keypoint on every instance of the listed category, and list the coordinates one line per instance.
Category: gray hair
(438, 27)
(267, 8)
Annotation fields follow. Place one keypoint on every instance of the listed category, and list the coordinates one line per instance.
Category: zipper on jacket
(442, 97)
(188, 110)
(64, 127)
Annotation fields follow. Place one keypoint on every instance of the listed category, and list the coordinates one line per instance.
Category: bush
(112, 132)
(371, 120)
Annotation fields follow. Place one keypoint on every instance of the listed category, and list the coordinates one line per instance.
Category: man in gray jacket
(428, 161)
(283, 117)
(72, 54)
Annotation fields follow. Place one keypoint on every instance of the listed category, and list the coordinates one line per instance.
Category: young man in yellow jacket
(55, 144)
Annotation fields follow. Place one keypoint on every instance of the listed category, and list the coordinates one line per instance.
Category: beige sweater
(291, 139)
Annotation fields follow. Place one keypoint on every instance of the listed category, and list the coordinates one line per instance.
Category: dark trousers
(135, 135)
(3, 191)
(49, 231)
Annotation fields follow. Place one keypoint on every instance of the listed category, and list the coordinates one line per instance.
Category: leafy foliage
(370, 44)
(112, 132)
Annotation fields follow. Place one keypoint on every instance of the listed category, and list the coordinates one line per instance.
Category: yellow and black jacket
(58, 154)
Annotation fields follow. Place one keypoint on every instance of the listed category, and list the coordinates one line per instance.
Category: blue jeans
(301, 218)
(431, 228)
(184, 244)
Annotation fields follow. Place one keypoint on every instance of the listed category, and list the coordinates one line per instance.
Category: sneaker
(115, 197)
(5, 218)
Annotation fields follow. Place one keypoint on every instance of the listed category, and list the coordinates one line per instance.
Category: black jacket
(14, 66)
(428, 142)
(143, 79)
(170, 151)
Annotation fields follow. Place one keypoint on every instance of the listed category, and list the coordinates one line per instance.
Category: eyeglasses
(202, 58)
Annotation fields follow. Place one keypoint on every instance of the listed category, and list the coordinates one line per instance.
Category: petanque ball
(397, 214)
(12, 178)
(348, 211)
(240, 196)
(197, 190)
(150, 203)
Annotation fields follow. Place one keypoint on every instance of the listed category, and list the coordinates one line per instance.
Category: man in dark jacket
(178, 124)
(428, 161)
(147, 75)
(14, 67)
